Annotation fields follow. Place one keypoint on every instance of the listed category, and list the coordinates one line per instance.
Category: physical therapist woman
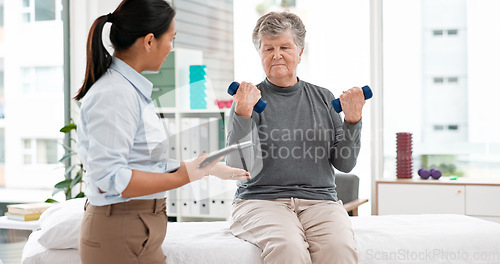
(122, 143)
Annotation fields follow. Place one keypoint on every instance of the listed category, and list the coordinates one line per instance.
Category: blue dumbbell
(259, 106)
(366, 91)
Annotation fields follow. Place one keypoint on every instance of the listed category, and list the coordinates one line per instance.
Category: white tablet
(225, 151)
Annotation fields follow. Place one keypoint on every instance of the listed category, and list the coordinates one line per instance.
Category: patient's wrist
(243, 111)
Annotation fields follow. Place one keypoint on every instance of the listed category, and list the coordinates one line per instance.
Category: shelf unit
(190, 132)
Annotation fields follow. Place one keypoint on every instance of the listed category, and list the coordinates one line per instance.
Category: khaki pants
(296, 230)
(123, 233)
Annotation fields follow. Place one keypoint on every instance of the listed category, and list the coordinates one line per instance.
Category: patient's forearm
(145, 183)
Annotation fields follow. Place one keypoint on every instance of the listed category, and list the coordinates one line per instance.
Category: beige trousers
(296, 230)
(124, 233)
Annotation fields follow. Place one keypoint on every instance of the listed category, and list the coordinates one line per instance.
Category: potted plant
(74, 172)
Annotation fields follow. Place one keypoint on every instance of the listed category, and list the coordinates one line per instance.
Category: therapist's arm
(145, 183)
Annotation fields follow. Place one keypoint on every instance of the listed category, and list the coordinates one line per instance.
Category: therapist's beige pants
(295, 230)
(124, 233)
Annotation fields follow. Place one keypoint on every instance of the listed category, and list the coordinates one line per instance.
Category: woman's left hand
(225, 172)
(352, 102)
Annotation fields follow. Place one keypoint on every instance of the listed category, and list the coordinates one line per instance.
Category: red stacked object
(404, 160)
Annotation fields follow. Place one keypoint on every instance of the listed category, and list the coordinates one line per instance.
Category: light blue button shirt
(120, 131)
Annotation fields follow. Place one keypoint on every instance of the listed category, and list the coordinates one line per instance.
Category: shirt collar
(140, 82)
(285, 90)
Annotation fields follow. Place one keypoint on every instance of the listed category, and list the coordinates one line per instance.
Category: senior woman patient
(290, 208)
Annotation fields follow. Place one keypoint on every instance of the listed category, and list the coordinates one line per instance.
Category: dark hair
(131, 20)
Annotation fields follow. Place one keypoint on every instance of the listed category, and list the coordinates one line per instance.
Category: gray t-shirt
(298, 137)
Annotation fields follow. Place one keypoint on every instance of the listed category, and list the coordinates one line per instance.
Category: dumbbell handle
(258, 107)
(367, 92)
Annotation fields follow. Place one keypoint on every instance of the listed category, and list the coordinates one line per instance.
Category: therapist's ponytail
(131, 20)
(98, 58)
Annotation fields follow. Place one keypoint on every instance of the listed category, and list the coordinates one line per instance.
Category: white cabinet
(482, 200)
(420, 199)
(444, 196)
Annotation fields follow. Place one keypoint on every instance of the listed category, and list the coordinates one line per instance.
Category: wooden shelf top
(442, 180)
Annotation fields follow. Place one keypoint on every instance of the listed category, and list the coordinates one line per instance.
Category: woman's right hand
(245, 99)
(224, 172)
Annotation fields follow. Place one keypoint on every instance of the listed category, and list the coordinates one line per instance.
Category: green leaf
(50, 200)
(67, 128)
(56, 191)
(67, 156)
(68, 194)
(77, 179)
(80, 195)
(69, 170)
(66, 148)
(63, 184)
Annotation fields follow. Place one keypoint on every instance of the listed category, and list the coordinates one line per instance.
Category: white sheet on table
(197, 242)
(34, 253)
(428, 238)
(380, 239)
(200, 242)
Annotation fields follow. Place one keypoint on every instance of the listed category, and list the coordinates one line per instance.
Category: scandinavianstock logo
(313, 143)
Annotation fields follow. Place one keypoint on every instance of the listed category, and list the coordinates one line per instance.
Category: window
(2, 90)
(2, 147)
(31, 75)
(443, 32)
(2, 93)
(442, 80)
(28, 151)
(288, 3)
(1, 13)
(438, 127)
(452, 121)
(41, 10)
(438, 80)
(40, 151)
(437, 32)
(452, 32)
(39, 80)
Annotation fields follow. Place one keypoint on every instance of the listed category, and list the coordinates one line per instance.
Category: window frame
(28, 151)
(376, 107)
(31, 11)
(33, 150)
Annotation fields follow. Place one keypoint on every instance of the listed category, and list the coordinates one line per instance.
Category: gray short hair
(276, 23)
